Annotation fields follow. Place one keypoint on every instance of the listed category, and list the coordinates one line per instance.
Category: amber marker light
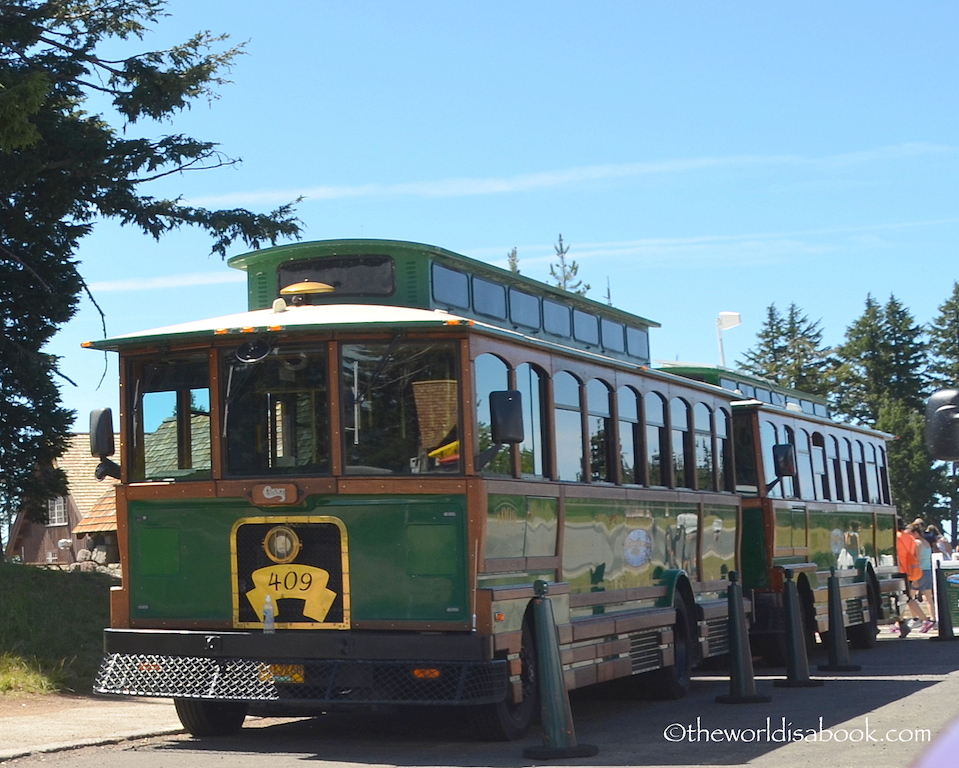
(459, 322)
(500, 617)
(429, 673)
(86, 344)
(275, 328)
(248, 329)
(221, 331)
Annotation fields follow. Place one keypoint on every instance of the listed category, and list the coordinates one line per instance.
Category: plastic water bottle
(269, 624)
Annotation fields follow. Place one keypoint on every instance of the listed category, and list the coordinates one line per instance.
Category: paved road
(885, 715)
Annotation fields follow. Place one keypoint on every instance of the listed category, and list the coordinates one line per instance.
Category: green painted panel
(753, 564)
(838, 539)
(505, 526)
(885, 535)
(541, 527)
(407, 555)
(520, 526)
(194, 534)
(159, 551)
(617, 545)
(719, 541)
(431, 550)
(784, 529)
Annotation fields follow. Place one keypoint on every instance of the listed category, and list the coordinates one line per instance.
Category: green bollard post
(742, 682)
(797, 665)
(559, 739)
(837, 646)
(943, 612)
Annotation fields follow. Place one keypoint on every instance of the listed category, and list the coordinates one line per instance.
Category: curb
(11, 754)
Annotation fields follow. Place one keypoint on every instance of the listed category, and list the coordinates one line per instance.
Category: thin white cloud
(740, 249)
(527, 182)
(169, 281)
(751, 248)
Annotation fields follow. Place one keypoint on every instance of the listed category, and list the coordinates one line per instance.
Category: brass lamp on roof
(306, 287)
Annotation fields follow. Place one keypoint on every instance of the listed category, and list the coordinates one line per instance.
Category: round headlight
(281, 544)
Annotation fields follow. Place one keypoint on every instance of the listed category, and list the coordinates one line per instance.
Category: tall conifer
(63, 167)
(789, 352)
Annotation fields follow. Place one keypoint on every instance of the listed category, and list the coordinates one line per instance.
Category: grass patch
(51, 628)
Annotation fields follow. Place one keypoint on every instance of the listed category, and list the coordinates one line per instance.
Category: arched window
(883, 476)
(530, 381)
(852, 481)
(599, 424)
(630, 464)
(859, 457)
(770, 437)
(569, 427)
(681, 439)
(807, 489)
(872, 473)
(820, 467)
(705, 450)
(724, 450)
(657, 439)
(492, 375)
(789, 484)
(835, 467)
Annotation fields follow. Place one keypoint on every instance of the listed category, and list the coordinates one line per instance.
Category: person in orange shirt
(909, 565)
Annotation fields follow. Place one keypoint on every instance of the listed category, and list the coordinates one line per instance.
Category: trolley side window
(276, 410)
(400, 408)
(170, 427)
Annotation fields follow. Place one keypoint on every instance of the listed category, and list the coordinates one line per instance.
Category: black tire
(865, 636)
(507, 720)
(210, 718)
(674, 682)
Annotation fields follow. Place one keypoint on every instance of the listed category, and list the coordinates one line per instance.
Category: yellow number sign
(303, 582)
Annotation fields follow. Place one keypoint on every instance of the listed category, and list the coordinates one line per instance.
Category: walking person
(939, 542)
(924, 584)
(909, 566)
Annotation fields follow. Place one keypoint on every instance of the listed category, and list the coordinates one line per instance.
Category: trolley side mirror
(942, 425)
(784, 460)
(102, 443)
(784, 463)
(506, 416)
(506, 424)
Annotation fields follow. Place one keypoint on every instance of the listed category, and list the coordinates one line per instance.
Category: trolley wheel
(210, 718)
(674, 682)
(507, 720)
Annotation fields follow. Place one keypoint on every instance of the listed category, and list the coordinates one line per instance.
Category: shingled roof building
(84, 519)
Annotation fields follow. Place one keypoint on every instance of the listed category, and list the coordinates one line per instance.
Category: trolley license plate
(285, 673)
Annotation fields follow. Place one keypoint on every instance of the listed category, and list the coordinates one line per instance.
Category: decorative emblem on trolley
(298, 565)
(637, 548)
(274, 493)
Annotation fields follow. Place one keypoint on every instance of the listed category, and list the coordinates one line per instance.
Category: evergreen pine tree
(564, 273)
(915, 481)
(944, 372)
(944, 343)
(881, 383)
(766, 357)
(863, 370)
(905, 346)
(62, 167)
(789, 352)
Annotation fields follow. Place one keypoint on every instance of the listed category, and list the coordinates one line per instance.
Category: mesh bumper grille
(323, 682)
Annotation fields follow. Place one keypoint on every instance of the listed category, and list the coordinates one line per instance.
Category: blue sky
(696, 157)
